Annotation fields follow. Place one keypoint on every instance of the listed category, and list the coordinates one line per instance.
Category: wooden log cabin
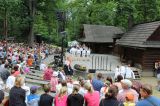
(100, 38)
(141, 45)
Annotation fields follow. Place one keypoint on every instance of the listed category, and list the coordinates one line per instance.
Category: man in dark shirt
(46, 99)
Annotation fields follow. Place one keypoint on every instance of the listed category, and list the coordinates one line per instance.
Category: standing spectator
(117, 72)
(62, 83)
(148, 99)
(61, 98)
(75, 99)
(118, 82)
(90, 78)
(67, 67)
(110, 97)
(122, 70)
(129, 73)
(17, 94)
(104, 89)
(4, 73)
(1, 97)
(54, 81)
(98, 83)
(33, 98)
(10, 80)
(109, 79)
(46, 99)
(158, 74)
(129, 100)
(126, 88)
(92, 97)
(83, 53)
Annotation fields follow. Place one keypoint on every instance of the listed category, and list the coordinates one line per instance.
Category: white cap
(55, 74)
(126, 82)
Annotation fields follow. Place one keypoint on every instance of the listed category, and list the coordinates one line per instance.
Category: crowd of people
(80, 51)
(125, 71)
(68, 91)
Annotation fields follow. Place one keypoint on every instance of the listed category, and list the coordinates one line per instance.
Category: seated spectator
(48, 73)
(46, 99)
(148, 99)
(30, 61)
(92, 97)
(33, 98)
(98, 83)
(129, 100)
(43, 66)
(17, 94)
(16, 71)
(110, 97)
(75, 99)
(126, 88)
(61, 98)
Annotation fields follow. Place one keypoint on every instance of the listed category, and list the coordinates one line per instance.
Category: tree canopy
(25, 18)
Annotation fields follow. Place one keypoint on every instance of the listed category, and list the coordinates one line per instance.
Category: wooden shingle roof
(100, 33)
(139, 34)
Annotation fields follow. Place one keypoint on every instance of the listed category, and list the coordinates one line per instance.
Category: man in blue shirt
(98, 83)
(33, 98)
(149, 100)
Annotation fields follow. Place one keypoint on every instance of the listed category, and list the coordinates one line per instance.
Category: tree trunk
(32, 9)
(5, 25)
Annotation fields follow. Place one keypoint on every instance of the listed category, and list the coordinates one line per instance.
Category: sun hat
(126, 82)
(55, 74)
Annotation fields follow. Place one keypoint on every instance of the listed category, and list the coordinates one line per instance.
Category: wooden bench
(36, 74)
(36, 71)
(34, 77)
(40, 82)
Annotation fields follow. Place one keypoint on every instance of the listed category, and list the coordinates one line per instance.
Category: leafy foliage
(78, 12)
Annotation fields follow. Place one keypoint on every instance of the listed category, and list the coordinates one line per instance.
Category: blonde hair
(75, 89)
(88, 87)
(62, 92)
(90, 76)
(19, 81)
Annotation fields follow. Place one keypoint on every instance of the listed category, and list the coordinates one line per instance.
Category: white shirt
(117, 72)
(122, 71)
(10, 81)
(43, 67)
(129, 73)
